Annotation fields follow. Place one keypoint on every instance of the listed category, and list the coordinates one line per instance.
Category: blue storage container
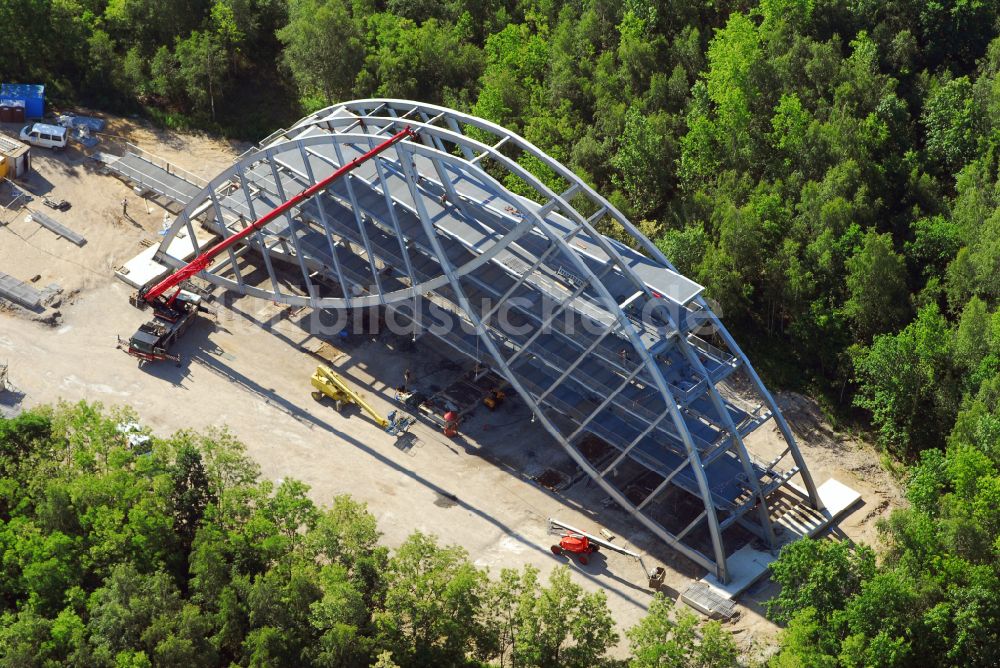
(33, 96)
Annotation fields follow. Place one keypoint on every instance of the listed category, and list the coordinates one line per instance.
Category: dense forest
(828, 169)
(124, 550)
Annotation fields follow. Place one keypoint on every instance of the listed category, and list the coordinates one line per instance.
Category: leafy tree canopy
(120, 551)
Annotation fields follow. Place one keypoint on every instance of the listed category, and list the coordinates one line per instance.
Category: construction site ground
(249, 370)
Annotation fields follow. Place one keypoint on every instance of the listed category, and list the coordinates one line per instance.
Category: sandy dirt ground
(476, 491)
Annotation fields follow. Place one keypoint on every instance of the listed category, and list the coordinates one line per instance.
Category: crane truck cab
(152, 341)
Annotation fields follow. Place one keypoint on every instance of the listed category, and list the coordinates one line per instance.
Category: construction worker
(407, 376)
(125, 207)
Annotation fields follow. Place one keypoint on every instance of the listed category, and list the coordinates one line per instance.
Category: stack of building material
(83, 128)
(19, 292)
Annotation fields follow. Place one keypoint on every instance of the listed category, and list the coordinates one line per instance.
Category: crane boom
(203, 261)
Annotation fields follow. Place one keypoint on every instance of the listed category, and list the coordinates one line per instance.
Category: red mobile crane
(174, 314)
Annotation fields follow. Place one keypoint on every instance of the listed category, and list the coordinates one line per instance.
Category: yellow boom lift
(329, 384)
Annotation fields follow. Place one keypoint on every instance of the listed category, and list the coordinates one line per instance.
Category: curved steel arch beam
(649, 247)
(510, 139)
(719, 566)
(186, 217)
(342, 130)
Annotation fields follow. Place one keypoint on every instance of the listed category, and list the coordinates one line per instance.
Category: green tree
(818, 574)
(701, 146)
(984, 260)
(936, 240)
(431, 61)
(876, 285)
(734, 56)
(499, 614)
(902, 382)
(226, 25)
(807, 641)
(191, 493)
(432, 594)
(560, 624)
(669, 638)
(134, 611)
(684, 248)
(323, 47)
(106, 72)
(953, 124)
(516, 61)
(22, 440)
(164, 76)
(933, 598)
(345, 534)
(201, 67)
(644, 162)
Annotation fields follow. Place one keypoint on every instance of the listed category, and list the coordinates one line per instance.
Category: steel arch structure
(478, 237)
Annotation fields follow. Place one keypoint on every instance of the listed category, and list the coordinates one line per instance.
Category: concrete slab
(748, 565)
(181, 248)
(837, 497)
(9, 412)
(141, 269)
(144, 268)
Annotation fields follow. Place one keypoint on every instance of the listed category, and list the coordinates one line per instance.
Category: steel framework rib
(437, 207)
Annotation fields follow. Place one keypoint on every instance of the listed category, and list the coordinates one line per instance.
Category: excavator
(329, 384)
(175, 309)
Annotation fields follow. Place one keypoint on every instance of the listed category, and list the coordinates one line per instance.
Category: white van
(46, 136)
